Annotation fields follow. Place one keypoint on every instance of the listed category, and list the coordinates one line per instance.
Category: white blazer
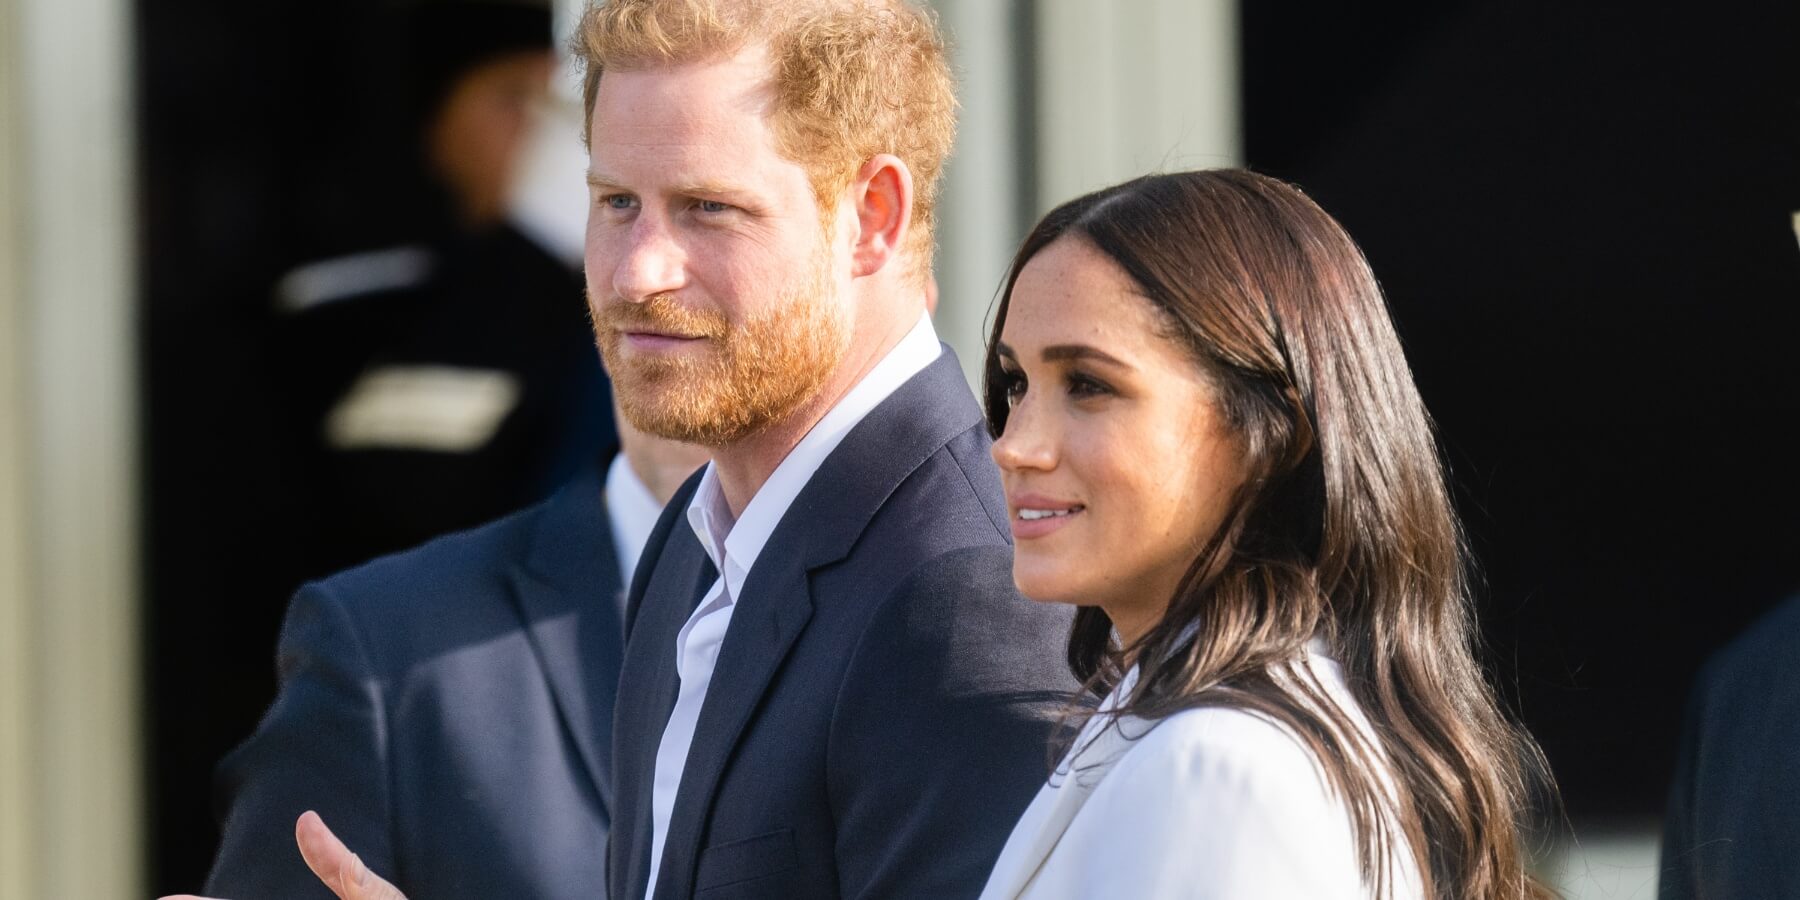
(1207, 803)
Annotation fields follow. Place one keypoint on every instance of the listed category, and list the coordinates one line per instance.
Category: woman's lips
(1035, 518)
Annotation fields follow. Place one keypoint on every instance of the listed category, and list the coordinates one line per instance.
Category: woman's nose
(1027, 443)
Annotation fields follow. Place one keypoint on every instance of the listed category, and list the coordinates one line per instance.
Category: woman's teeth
(1031, 515)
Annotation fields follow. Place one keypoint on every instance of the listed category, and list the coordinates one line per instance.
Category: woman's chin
(1043, 587)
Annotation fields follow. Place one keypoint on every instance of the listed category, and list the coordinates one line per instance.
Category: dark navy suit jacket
(880, 711)
(1733, 824)
(448, 712)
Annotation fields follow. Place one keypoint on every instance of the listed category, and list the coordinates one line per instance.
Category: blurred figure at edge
(450, 707)
(1733, 817)
(436, 385)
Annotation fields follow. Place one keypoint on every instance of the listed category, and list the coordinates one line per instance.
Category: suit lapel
(818, 529)
(764, 625)
(680, 572)
(567, 591)
(1049, 815)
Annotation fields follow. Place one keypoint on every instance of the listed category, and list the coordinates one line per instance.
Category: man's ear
(882, 194)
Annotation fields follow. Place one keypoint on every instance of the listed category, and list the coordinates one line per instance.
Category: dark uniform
(432, 388)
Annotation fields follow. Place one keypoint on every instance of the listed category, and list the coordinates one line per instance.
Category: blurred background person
(438, 384)
(449, 708)
(434, 372)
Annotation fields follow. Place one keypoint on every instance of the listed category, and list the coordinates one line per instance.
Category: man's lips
(653, 341)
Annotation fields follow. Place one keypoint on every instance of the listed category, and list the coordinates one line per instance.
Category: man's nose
(653, 262)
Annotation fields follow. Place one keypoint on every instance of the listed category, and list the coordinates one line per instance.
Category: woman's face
(1117, 461)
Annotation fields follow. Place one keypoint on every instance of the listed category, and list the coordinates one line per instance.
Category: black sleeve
(940, 734)
(1678, 880)
(321, 746)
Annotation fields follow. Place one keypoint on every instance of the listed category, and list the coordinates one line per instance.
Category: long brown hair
(1343, 530)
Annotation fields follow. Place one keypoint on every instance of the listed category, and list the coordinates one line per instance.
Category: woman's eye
(1087, 386)
(1014, 387)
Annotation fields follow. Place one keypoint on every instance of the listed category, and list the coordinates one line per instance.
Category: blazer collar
(1042, 826)
(889, 444)
(567, 588)
(821, 526)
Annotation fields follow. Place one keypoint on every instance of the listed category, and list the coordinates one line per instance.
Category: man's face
(714, 288)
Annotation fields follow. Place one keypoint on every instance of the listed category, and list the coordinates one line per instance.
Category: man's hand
(341, 870)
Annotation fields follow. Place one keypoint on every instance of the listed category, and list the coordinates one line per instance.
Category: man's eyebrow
(602, 181)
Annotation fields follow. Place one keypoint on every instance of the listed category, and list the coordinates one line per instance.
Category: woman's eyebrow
(1081, 352)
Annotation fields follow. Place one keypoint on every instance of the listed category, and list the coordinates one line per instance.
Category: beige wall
(1133, 87)
(17, 874)
(1121, 88)
(980, 206)
(69, 712)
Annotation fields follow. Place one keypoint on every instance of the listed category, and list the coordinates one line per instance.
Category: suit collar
(820, 528)
(734, 546)
(567, 591)
(889, 444)
(1101, 743)
(1042, 826)
(846, 490)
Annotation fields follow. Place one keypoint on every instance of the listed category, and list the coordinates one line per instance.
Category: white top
(632, 510)
(1207, 803)
(733, 548)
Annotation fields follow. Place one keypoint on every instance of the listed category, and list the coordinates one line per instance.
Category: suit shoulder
(1768, 649)
(970, 451)
(1219, 740)
(1221, 759)
(945, 589)
(952, 500)
(1234, 798)
(456, 579)
(445, 562)
(957, 619)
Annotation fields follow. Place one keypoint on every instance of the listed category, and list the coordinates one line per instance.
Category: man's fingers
(334, 864)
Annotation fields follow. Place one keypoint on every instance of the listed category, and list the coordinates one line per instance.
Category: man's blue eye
(713, 206)
(619, 201)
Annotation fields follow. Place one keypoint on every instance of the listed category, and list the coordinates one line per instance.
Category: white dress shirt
(632, 511)
(733, 547)
(1207, 803)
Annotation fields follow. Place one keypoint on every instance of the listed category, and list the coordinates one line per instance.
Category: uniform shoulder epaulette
(353, 275)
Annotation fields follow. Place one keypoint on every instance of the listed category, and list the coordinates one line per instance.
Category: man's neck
(744, 466)
(660, 474)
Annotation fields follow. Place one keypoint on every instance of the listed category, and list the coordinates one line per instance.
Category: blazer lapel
(682, 570)
(818, 529)
(567, 590)
(1047, 819)
(764, 625)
